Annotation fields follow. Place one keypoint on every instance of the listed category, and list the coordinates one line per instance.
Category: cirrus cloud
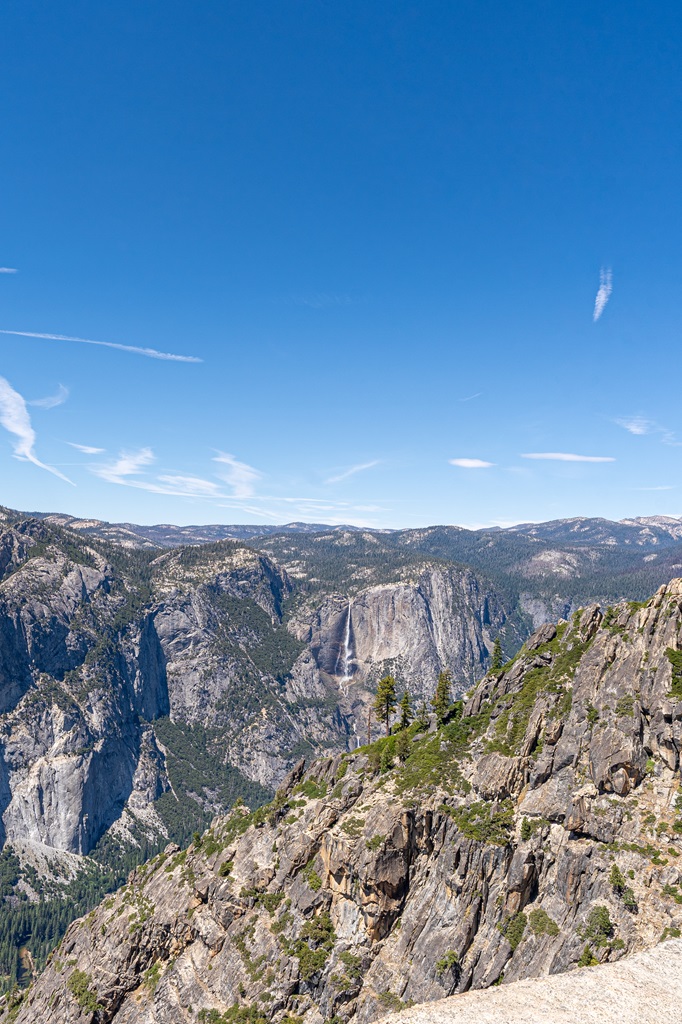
(239, 475)
(51, 401)
(86, 449)
(137, 350)
(603, 294)
(567, 457)
(15, 419)
(352, 471)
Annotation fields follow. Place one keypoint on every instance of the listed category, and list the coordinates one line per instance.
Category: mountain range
(144, 687)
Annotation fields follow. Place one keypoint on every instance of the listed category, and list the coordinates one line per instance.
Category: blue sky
(376, 233)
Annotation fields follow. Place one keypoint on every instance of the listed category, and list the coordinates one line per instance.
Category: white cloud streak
(15, 419)
(151, 353)
(8, 270)
(240, 476)
(86, 449)
(471, 463)
(636, 424)
(127, 464)
(639, 426)
(51, 401)
(360, 468)
(567, 457)
(470, 398)
(603, 294)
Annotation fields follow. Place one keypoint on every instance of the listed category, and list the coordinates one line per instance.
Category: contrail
(604, 293)
(152, 353)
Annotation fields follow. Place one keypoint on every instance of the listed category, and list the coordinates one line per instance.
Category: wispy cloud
(152, 353)
(240, 476)
(470, 398)
(604, 292)
(8, 270)
(640, 425)
(360, 468)
(471, 463)
(86, 449)
(126, 465)
(129, 467)
(567, 457)
(636, 424)
(15, 419)
(662, 487)
(190, 486)
(51, 401)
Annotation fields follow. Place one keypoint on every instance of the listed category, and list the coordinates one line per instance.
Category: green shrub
(588, 959)
(541, 923)
(480, 821)
(313, 790)
(353, 965)
(675, 659)
(617, 879)
(513, 929)
(314, 946)
(312, 878)
(625, 706)
(599, 927)
(448, 962)
(79, 986)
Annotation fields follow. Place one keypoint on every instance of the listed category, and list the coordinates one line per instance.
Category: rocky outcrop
(644, 989)
(536, 831)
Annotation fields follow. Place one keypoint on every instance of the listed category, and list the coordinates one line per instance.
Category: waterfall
(343, 669)
(344, 659)
(347, 652)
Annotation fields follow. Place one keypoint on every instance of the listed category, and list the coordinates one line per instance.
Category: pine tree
(385, 700)
(441, 699)
(617, 879)
(422, 718)
(402, 746)
(405, 708)
(496, 663)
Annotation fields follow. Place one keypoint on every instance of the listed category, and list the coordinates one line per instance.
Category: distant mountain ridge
(639, 531)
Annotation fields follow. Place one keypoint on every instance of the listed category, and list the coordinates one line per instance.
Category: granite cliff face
(118, 670)
(537, 830)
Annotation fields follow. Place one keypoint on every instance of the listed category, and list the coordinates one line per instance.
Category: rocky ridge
(537, 830)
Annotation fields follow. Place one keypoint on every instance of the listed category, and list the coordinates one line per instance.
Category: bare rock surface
(645, 989)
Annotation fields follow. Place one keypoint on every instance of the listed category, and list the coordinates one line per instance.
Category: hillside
(536, 831)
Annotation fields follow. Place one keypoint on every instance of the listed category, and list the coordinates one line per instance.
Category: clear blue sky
(379, 226)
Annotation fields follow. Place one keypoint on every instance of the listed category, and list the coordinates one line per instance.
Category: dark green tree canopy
(385, 701)
(405, 708)
(441, 699)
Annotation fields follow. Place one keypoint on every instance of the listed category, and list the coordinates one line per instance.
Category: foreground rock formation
(644, 989)
(536, 832)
